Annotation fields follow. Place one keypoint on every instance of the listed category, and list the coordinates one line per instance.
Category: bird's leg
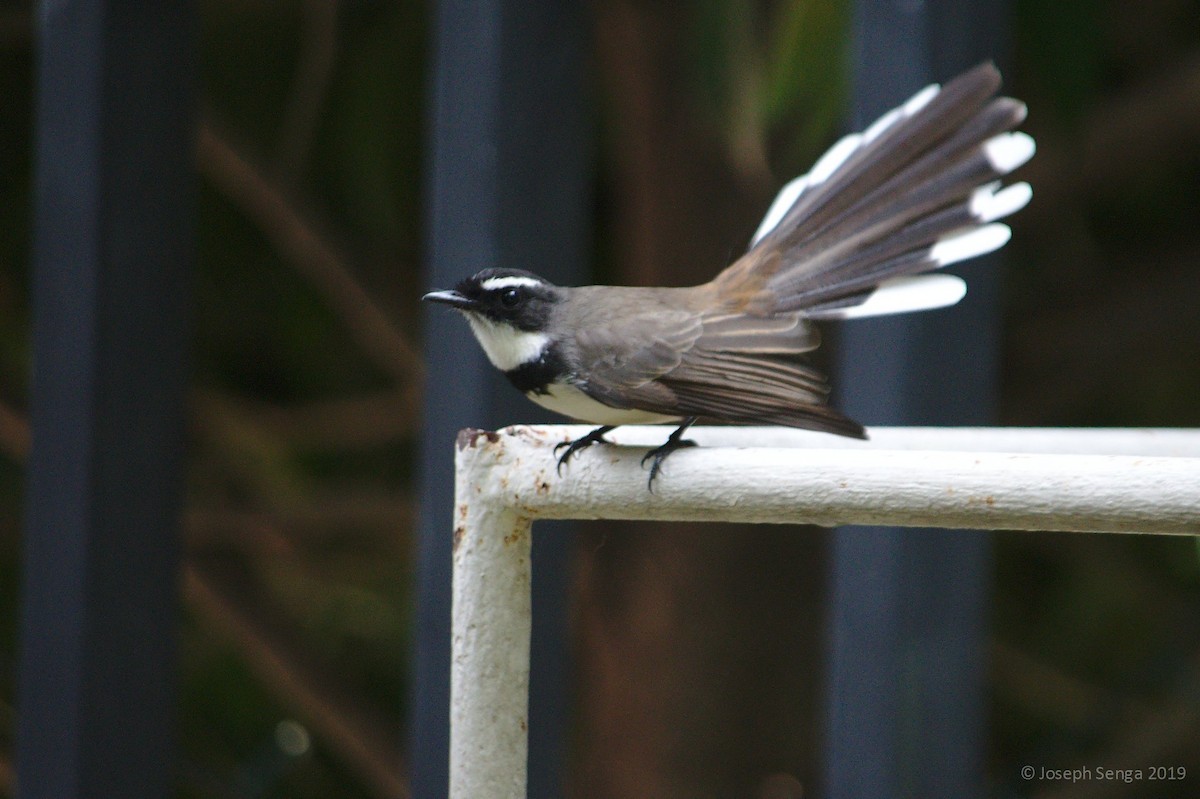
(594, 437)
(673, 443)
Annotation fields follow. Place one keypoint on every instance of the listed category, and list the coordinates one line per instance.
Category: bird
(862, 234)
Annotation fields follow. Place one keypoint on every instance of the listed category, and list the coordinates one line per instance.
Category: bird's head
(509, 311)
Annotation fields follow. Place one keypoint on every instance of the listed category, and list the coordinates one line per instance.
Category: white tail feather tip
(1008, 151)
(902, 295)
(880, 125)
(921, 99)
(834, 157)
(973, 243)
(783, 202)
(988, 205)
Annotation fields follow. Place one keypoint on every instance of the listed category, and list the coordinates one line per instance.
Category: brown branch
(283, 503)
(254, 451)
(1162, 737)
(14, 434)
(275, 530)
(8, 779)
(1071, 355)
(256, 460)
(1042, 689)
(369, 744)
(16, 29)
(310, 87)
(341, 423)
(1146, 127)
(629, 45)
(298, 241)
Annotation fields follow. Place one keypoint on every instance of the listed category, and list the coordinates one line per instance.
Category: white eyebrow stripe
(508, 282)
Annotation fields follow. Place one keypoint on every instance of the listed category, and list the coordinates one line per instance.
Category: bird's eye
(510, 298)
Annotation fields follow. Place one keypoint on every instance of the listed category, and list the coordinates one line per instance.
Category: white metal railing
(1115, 480)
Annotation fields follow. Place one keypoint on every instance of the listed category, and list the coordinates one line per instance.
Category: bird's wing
(623, 362)
(755, 370)
(731, 367)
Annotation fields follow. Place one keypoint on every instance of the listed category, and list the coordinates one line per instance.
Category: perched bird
(917, 190)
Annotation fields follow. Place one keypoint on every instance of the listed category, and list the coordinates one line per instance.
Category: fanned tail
(918, 190)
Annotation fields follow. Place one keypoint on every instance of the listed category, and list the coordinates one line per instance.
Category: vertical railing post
(490, 635)
(508, 186)
(905, 701)
(112, 261)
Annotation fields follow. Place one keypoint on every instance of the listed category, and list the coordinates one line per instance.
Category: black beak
(452, 298)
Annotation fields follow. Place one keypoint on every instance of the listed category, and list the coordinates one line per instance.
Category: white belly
(570, 401)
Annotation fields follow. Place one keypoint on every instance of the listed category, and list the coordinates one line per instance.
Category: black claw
(659, 454)
(594, 437)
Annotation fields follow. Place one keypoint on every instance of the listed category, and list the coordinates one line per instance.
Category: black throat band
(535, 377)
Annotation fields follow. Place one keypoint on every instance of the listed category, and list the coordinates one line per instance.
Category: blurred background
(305, 401)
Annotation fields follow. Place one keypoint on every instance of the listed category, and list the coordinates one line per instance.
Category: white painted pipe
(949, 483)
(992, 478)
(490, 629)
(1174, 442)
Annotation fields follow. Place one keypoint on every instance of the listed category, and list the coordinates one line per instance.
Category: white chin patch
(506, 346)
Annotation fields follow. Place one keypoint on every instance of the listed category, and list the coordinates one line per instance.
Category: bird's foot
(659, 454)
(594, 437)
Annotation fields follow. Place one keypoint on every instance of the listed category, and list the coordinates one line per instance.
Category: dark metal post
(905, 700)
(112, 258)
(508, 186)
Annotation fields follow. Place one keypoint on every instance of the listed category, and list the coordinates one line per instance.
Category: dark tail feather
(916, 191)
